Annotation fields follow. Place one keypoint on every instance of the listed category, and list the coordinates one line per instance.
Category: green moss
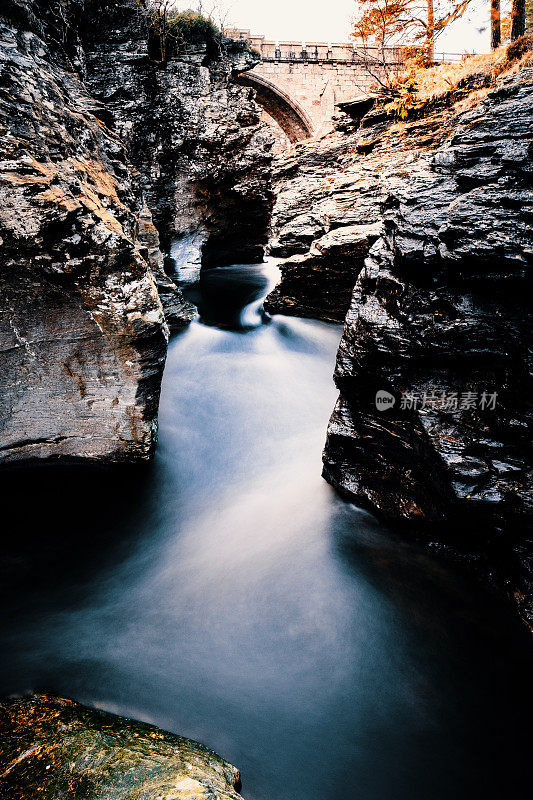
(238, 46)
(189, 27)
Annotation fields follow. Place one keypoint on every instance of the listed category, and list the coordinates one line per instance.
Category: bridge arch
(289, 115)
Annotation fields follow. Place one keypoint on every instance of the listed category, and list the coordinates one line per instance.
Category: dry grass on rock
(444, 84)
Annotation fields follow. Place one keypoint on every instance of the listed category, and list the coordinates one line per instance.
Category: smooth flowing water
(226, 593)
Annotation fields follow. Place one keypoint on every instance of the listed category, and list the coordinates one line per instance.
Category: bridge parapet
(296, 50)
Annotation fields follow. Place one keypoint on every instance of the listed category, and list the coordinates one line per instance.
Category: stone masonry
(312, 77)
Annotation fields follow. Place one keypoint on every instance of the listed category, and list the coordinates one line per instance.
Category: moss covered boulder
(52, 748)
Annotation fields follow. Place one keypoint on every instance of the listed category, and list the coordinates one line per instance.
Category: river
(228, 594)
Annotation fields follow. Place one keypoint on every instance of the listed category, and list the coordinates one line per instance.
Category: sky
(329, 21)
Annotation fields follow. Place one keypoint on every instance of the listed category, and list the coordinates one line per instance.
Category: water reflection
(228, 594)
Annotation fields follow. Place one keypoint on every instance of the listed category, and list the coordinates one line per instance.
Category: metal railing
(451, 58)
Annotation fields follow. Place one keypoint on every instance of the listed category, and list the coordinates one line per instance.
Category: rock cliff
(54, 748)
(194, 136)
(434, 217)
(99, 142)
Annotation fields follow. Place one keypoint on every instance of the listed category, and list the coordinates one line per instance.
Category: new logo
(384, 400)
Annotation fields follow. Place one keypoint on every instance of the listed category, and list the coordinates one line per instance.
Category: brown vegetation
(419, 87)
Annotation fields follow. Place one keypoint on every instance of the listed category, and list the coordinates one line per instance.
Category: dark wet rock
(105, 157)
(307, 290)
(357, 108)
(317, 197)
(53, 748)
(440, 305)
(177, 310)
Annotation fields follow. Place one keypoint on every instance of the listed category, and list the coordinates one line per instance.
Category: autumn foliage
(419, 89)
(384, 23)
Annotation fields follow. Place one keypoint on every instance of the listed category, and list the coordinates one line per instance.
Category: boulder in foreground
(53, 749)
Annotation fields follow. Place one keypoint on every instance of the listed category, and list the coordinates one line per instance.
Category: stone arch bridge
(298, 84)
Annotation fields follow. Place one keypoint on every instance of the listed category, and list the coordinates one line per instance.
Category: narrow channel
(227, 593)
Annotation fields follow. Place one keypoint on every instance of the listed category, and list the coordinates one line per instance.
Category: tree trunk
(495, 27)
(430, 32)
(518, 19)
(529, 16)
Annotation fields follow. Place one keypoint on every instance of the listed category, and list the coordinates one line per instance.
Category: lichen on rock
(83, 338)
(54, 748)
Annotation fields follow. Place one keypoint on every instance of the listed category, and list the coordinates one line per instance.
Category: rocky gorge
(126, 165)
(431, 218)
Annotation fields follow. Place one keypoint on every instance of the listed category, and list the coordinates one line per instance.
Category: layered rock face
(326, 216)
(193, 134)
(439, 318)
(54, 748)
(82, 330)
(83, 338)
